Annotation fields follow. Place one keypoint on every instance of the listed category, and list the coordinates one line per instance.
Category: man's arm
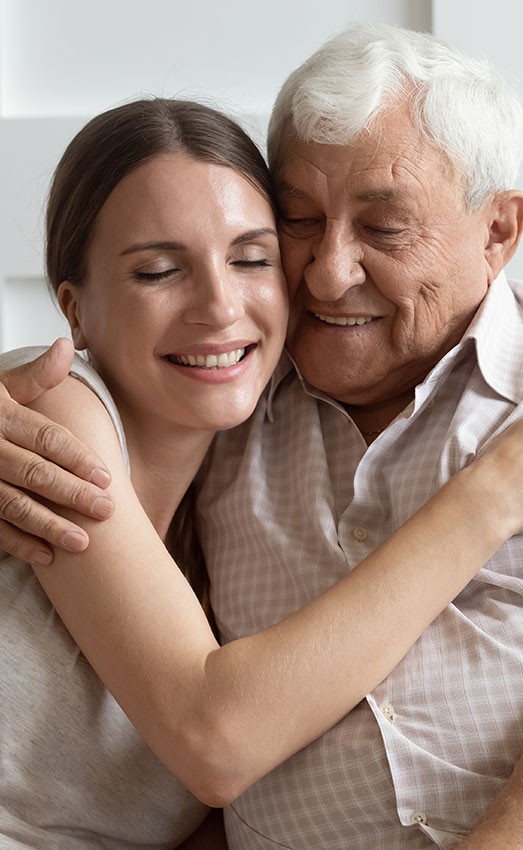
(39, 456)
(501, 827)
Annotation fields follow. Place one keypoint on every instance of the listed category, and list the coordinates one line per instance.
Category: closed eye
(299, 227)
(387, 238)
(383, 231)
(251, 264)
(154, 276)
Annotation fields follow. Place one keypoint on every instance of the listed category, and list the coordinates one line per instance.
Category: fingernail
(102, 507)
(74, 541)
(100, 477)
(41, 558)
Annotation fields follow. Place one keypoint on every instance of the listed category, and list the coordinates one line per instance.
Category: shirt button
(418, 817)
(359, 534)
(387, 709)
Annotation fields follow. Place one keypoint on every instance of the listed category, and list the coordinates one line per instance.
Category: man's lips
(343, 320)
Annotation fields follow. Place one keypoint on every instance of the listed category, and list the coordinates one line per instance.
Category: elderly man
(393, 157)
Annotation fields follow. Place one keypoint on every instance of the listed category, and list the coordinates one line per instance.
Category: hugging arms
(222, 717)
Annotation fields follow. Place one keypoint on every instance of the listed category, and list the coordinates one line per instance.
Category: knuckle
(79, 496)
(3, 416)
(48, 439)
(13, 543)
(38, 474)
(15, 507)
(50, 529)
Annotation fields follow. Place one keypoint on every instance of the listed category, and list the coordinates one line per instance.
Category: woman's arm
(501, 827)
(220, 718)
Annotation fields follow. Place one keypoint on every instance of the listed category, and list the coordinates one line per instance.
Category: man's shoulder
(514, 281)
(516, 287)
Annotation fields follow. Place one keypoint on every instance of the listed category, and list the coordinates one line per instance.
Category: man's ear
(69, 296)
(504, 232)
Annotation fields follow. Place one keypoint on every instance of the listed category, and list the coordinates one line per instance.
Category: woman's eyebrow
(248, 236)
(251, 235)
(152, 246)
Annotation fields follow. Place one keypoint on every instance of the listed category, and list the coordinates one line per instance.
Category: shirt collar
(497, 331)
(285, 367)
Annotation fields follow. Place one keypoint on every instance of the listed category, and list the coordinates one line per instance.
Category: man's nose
(216, 299)
(337, 264)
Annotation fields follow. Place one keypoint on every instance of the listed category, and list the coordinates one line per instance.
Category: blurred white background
(62, 61)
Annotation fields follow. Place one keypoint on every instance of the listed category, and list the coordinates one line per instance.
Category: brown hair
(107, 149)
(118, 141)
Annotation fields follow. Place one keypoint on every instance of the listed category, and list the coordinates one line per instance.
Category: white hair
(460, 103)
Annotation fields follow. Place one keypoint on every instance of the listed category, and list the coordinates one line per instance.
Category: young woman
(163, 252)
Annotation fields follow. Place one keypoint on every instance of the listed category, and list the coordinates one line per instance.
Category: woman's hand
(38, 456)
(499, 471)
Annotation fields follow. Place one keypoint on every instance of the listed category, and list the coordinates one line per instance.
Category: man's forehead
(378, 195)
(392, 135)
(374, 169)
(377, 186)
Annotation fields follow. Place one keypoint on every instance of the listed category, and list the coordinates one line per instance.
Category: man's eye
(386, 238)
(385, 231)
(299, 226)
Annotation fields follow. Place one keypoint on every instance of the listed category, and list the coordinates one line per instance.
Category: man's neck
(372, 419)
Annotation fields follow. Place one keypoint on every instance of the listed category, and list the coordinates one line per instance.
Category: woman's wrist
(493, 490)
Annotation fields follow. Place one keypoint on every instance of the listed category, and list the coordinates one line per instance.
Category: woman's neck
(164, 461)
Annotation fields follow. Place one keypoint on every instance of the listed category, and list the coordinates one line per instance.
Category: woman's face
(184, 306)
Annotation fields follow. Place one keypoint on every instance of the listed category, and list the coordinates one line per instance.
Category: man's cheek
(295, 258)
(291, 327)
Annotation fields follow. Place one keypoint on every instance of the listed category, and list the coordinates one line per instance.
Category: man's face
(385, 264)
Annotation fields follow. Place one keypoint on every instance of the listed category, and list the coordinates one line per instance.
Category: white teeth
(210, 361)
(344, 320)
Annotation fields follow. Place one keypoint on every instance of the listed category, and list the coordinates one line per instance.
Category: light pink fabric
(294, 499)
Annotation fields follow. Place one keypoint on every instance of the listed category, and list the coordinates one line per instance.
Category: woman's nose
(217, 299)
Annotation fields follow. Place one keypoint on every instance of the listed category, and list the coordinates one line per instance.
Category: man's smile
(344, 320)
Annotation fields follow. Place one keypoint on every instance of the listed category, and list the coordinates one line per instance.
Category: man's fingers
(27, 515)
(26, 471)
(26, 383)
(23, 546)
(33, 548)
(20, 427)
(29, 430)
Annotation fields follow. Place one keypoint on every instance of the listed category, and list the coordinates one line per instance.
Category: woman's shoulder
(83, 402)
(81, 368)
(84, 371)
(19, 356)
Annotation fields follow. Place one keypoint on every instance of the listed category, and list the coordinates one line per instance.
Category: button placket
(387, 709)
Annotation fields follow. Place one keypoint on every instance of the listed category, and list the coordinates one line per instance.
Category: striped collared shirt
(294, 499)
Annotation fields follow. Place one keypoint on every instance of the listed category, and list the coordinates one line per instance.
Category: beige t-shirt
(74, 773)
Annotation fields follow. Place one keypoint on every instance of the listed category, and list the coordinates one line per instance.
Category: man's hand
(45, 459)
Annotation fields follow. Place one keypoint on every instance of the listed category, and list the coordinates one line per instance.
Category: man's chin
(349, 390)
